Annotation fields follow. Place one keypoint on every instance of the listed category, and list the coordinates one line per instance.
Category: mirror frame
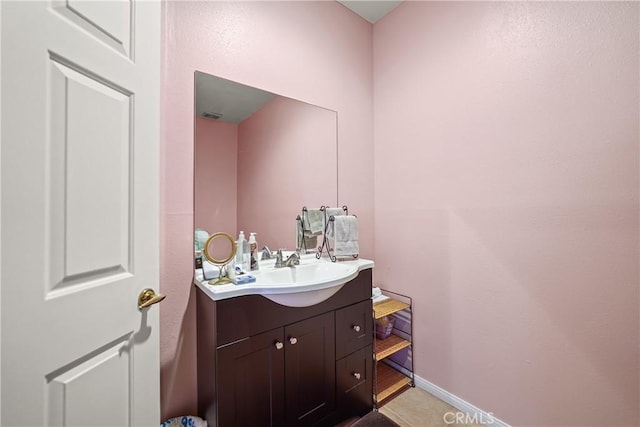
(220, 262)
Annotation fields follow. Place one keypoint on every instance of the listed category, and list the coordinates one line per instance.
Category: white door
(79, 164)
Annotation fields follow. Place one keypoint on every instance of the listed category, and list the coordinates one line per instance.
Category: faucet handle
(293, 259)
(279, 261)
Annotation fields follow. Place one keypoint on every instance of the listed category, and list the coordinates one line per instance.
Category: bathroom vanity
(261, 363)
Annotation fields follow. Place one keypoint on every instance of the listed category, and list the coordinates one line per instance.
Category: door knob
(356, 328)
(357, 375)
(293, 340)
(279, 345)
(148, 297)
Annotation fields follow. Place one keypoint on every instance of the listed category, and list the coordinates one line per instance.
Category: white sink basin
(312, 273)
(309, 283)
(326, 278)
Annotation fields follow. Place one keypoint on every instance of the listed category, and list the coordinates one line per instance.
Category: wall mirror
(259, 158)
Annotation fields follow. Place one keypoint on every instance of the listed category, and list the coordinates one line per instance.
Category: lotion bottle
(253, 249)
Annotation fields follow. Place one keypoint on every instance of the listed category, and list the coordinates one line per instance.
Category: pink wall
(282, 47)
(216, 165)
(286, 160)
(506, 200)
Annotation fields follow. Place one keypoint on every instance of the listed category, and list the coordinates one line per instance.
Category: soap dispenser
(253, 249)
(242, 254)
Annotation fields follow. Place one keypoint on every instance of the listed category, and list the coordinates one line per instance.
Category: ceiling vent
(212, 116)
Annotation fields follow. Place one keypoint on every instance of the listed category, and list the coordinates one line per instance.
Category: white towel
(310, 241)
(314, 222)
(379, 298)
(209, 270)
(346, 235)
(335, 212)
(376, 295)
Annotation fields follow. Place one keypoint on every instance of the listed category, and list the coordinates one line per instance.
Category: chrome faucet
(291, 261)
(266, 253)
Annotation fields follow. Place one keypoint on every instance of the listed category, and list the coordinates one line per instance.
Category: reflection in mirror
(259, 158)
(200, 238)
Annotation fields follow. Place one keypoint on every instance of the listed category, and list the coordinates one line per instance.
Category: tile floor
(417, 408)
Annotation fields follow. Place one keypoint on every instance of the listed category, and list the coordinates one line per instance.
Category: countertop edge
(232, 291)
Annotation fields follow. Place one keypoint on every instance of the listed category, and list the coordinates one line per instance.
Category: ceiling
(225, 100)
(371, 10)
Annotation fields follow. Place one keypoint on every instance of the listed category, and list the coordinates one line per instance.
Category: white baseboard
(462, 405)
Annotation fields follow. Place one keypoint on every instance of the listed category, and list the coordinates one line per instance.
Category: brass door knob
(148, 297)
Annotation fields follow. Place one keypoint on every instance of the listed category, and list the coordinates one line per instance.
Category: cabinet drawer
(354, 382)
(353, 328)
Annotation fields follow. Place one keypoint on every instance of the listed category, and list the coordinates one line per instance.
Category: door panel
(89, 159)
(110, 368)
(109, 22)
(80, 130)
(310, 369)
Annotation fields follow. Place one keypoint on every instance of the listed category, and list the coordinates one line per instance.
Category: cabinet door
(310, 370)
(251, 381)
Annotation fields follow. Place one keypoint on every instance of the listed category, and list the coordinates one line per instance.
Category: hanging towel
(335, 212)
(346, 236)
(310, 241)
(314, 222)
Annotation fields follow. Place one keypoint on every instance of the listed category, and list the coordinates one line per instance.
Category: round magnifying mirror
(219, 250)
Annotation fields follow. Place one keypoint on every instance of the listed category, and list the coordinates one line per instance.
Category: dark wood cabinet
(264, 364)
(256, 381)
(353, 382)
(310, 370)
(256, 371)
(354, 328)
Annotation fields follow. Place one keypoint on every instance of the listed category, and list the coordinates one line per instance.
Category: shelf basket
(384, 326)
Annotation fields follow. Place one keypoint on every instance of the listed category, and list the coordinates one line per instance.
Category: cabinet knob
(356, 328)
(279, 345)
(357, 375)
(293, 340)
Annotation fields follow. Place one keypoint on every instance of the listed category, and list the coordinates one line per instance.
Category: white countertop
(290, 294)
